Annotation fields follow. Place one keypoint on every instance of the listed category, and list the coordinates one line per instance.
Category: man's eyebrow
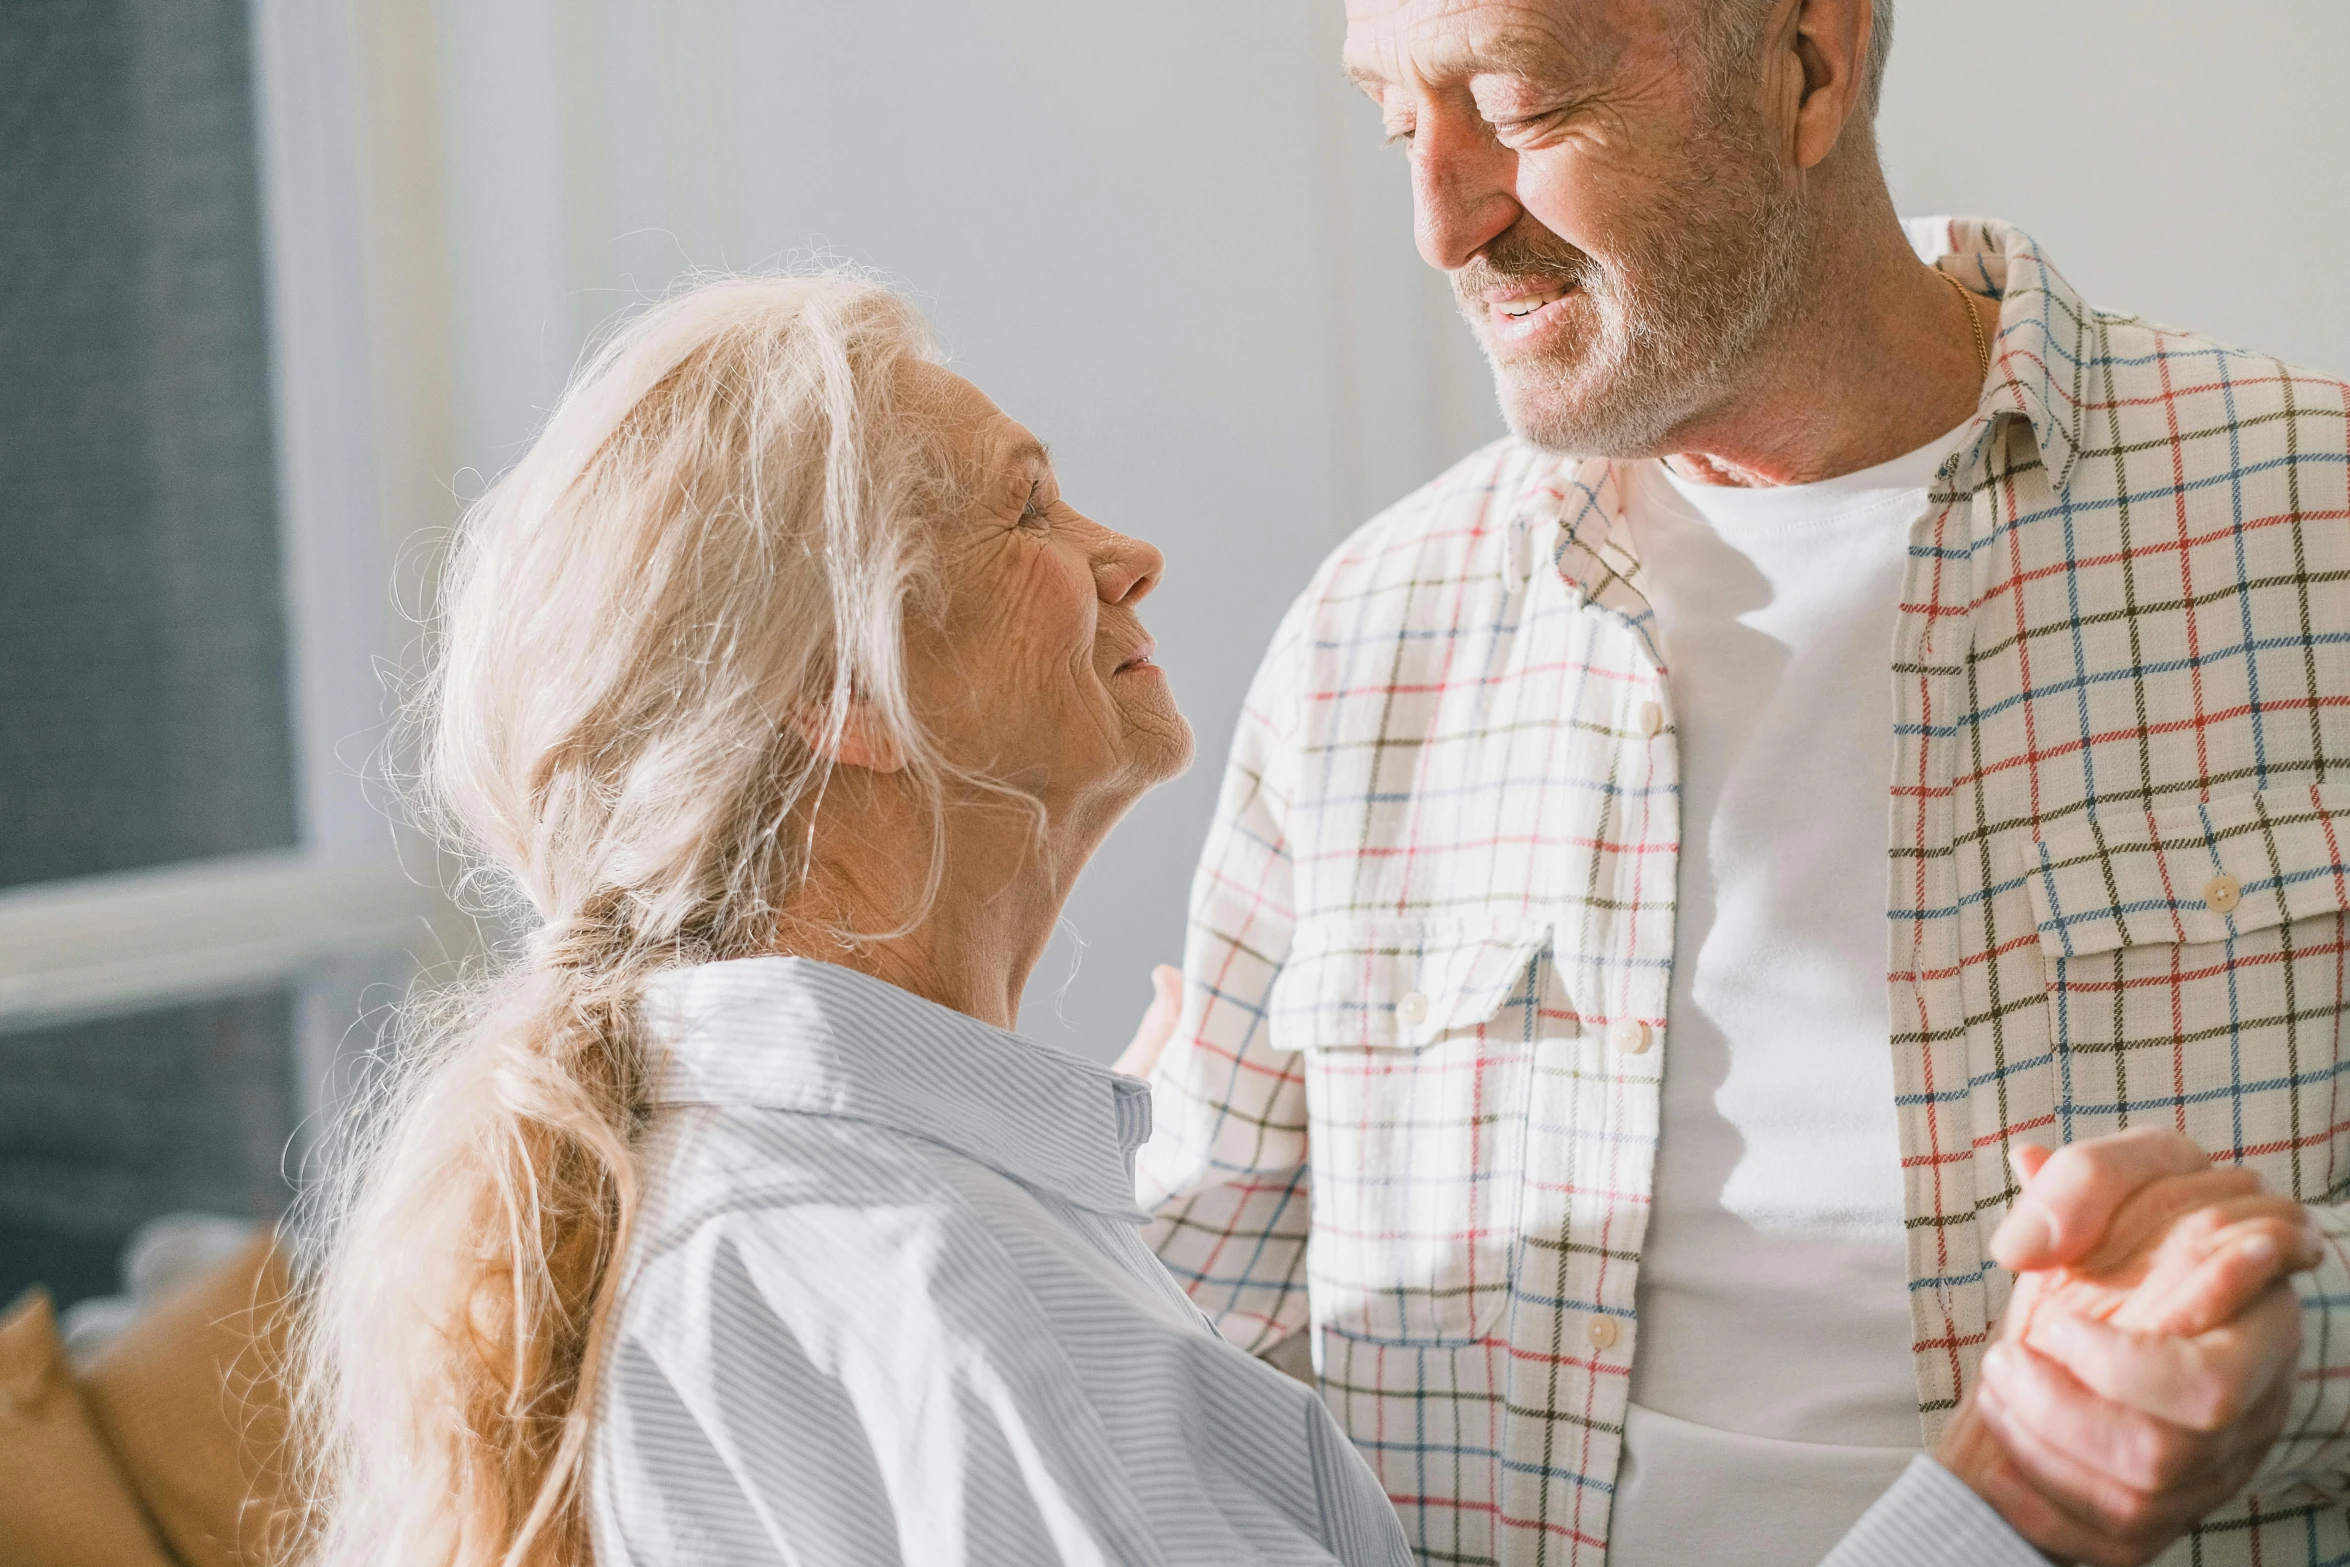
(1030, 447)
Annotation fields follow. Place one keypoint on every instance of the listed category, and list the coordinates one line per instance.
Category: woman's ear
(862, 740)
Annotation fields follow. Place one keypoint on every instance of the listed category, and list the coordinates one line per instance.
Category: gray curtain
(143, 694)
(143, 689)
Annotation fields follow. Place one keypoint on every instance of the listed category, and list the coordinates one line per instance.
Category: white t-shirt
(1773, 1396)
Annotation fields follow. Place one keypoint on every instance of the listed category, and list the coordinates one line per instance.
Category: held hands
(2145, 1363)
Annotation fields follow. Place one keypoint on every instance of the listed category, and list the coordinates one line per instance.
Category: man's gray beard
(1679, 326)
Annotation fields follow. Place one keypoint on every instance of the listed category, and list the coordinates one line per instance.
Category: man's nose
(1462, 189)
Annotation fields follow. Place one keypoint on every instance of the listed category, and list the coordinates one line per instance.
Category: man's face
(1620, 232)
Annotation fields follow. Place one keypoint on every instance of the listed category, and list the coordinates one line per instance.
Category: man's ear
(862, 740)
(1815, 60)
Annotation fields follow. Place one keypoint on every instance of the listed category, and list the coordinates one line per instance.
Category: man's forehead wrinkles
(1454, 42)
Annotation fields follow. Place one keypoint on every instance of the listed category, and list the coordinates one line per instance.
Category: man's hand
(2145, 1362)
(2140, 1229)
(1157, 1025)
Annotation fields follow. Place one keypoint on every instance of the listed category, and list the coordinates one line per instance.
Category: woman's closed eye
(1032, 509)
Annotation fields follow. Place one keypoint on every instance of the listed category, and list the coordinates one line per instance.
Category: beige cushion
(63, 1503)
(190, 1401)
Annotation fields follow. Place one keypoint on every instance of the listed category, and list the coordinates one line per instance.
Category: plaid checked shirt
(1413, 1100)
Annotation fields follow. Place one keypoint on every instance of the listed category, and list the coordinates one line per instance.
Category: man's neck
(1878, 360)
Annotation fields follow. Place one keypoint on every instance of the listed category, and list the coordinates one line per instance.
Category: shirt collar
(2047, 346)
(1594, 552)
(780, 1033)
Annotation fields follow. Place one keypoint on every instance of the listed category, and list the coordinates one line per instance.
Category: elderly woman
(731, 1223)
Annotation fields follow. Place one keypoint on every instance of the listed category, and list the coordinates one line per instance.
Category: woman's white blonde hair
(654, 628)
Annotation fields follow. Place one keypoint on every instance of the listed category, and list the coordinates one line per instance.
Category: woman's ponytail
(478, 1266)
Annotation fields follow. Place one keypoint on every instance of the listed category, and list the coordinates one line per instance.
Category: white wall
(2181, 159)
(1167, 238)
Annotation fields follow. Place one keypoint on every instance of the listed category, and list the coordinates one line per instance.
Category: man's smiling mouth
(1524, 305)
(1517, 317)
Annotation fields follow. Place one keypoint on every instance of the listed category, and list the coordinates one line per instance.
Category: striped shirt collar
(792, 1034)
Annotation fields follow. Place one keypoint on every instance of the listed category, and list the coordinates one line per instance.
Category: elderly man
(1877, 719)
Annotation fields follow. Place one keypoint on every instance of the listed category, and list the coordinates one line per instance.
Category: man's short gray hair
(1733, 32)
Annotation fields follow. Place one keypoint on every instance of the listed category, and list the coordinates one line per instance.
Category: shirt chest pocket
(2197, 978)
(1416, 1039)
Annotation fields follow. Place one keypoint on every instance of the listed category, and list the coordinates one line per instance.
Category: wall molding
(103, 945)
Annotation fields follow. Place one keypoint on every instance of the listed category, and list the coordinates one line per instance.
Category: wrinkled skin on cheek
(1028, 673)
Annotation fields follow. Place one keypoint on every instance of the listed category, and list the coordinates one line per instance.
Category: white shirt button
(1412, 1010)
(1652, 719)
(1627, 1036)
(1601, 1331)
(2223, 892)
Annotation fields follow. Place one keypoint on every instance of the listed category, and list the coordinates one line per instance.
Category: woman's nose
(1125, 570)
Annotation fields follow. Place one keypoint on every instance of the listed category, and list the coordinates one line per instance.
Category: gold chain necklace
(1974, 321)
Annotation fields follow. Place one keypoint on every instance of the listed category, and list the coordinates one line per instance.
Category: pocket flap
(2191, 873)
(1388, 984)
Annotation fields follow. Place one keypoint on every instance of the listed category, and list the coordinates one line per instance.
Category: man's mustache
(1524, 253)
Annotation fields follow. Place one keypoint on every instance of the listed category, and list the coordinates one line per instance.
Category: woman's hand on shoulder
(1157, 1025)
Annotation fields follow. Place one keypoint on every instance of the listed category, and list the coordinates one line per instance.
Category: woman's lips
(1139, 659)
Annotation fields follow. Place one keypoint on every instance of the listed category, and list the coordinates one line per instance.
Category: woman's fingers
(2160, 1209)
(2067, 1204)
(2096, 1449)
(2051, 1528)
(2124, 1475)
(2249, 1246)
(2204, 1384)
(1971, 1450)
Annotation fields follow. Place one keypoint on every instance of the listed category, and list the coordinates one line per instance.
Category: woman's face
(1038, 671)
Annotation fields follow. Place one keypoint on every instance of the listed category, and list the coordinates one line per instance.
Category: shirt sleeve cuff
(1929, 1518)
(2314, 1449)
